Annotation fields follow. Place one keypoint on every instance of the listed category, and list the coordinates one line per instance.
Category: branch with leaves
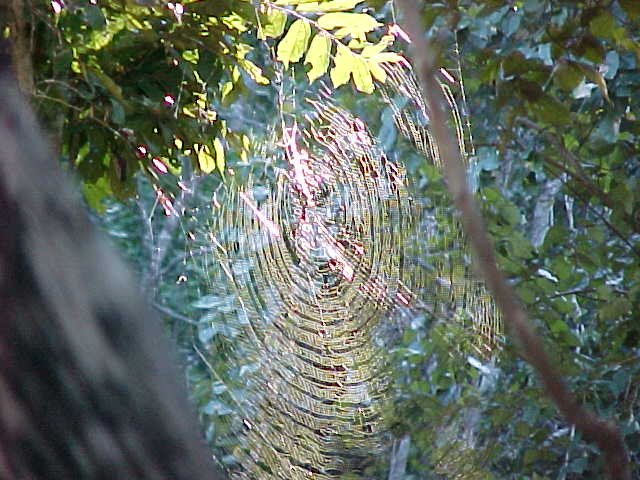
(359, 59)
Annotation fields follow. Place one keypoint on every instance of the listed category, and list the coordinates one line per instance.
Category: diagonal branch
(593, 428)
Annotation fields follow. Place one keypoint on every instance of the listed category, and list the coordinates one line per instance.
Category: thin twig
(605, 434)
(175, 315)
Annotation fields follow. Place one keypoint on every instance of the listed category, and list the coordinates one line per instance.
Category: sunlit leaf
(292, 47)
(373, 50)
(384, 57)
(389, 57)
(361, 75)
(95, 193)
(236, 22)
(273, 26)
(342, 67)
(331, 6)
(205, 161)
(355, 23)
(254, 72)
(377, 71)
(220, 160)
(291, 3)
(318, 56)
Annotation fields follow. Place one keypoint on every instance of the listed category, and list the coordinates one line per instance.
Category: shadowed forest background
(279, 177)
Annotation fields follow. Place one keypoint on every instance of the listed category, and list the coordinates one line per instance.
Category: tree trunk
(87, 388)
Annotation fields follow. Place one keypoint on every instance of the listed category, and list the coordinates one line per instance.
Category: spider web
(301, 274)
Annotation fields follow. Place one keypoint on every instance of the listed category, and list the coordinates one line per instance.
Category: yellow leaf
(254, 71)
(331, 6)
(274, 24)
(389, 57)
(373, 50)
(292, 47)
(361, 75)
(205, 161)
(235, 22)
(342, 32)
(342, 67)
(186, 111)
(220, 161)
(289, 3)
(355, 22)
(377, 71)
(226, 89)
(318, 56)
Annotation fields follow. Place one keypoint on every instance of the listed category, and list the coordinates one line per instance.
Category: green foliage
(552, 91)
(150, 88)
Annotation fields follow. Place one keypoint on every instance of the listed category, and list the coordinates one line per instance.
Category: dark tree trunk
(87, 386)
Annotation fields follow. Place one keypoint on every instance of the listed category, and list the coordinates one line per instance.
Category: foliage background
(552, 90)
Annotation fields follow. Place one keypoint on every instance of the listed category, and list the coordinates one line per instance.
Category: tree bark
(20, 47)
(88, 389)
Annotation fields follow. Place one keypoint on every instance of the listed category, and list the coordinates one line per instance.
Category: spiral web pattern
(315, 260)
(317, 264)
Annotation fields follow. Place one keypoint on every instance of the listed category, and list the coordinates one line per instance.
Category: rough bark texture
(21, 49)
(87, 388)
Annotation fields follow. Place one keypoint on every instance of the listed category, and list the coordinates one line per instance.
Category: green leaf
(95, 193)
(567, 76)
(95, 17)
(355, 23)
(292, 47)
(550, 111)
(117, 112)
(331, 6)
(526, 294)
(318, 56)
(603, 25)
(614, 309)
